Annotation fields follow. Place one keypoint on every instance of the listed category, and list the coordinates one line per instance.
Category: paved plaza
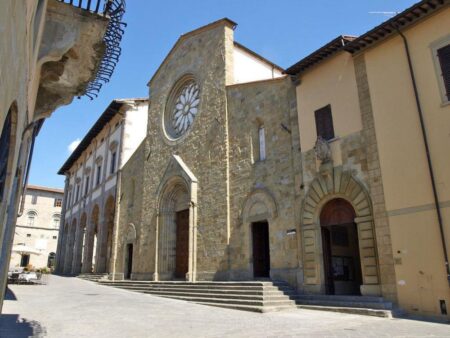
(70, 307)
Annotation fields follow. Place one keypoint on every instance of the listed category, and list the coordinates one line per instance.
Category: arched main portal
(173, 241)
(337, 198)
(341, 260)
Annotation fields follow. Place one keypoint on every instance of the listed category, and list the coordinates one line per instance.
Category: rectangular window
(86, 187)
(113, 163)
(33, 199)
(54, 237)
(262, 143)
(324, 123)
(28, 235)
(444, 61)
(99, 174)
(58, 202)
(78, 193)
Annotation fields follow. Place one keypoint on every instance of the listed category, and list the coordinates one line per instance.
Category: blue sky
(283, 31)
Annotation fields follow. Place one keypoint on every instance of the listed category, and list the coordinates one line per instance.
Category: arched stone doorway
(341, 260)
(130, 242)
(323, 189)
(259, 211)
(173, 241)
(176, 218)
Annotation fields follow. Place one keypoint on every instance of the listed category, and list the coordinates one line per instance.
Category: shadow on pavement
(9, 295)
(13, 327)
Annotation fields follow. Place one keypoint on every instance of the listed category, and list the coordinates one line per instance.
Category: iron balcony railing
(114, 11)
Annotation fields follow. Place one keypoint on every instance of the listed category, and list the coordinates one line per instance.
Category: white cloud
(73, 145)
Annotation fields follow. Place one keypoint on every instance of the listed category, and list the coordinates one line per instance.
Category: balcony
(78, 51)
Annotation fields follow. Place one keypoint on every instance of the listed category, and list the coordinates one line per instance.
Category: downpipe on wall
(427, 151)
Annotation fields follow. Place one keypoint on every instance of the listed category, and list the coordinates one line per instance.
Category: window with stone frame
(31, 217)
(443, 55)
(86, 187)
(324, 123)
(113, 162)
(99, 174)
(262, 143)
(57, 202)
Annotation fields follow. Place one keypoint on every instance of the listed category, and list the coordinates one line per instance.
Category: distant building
(51, 51)
(37, 227)
(91, 180)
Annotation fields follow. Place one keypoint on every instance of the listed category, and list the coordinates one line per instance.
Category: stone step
(350, 310)
(221, 296)
(248, 302)
(195, 286)
(180, 283)
(345, 298)
(347, 304)
(207, 291)
(260, 309)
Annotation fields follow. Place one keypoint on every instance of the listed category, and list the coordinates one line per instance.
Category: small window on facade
(28, 235)
(78, 193)
(34, 199)
(444, 61)
(113, 163)
(86, 187)
(58, 202)
(31, 217)
(262, 143)
(56, 219)
(55, 237)
(324, 123)
(99, 174)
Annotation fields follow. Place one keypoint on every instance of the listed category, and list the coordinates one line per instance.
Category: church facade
(213, 192)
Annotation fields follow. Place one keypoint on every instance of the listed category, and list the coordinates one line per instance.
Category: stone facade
(214, 170)
(92, 176)
(38, 227)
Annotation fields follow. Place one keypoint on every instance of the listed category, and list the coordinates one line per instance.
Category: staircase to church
(93, 277)
(249, 296)
(363, 305)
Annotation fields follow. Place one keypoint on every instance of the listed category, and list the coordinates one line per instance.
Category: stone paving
(70, 307)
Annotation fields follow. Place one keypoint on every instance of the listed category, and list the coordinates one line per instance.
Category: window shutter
(444, 60)
(324, 123)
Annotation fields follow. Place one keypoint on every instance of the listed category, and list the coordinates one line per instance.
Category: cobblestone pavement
(70, 307)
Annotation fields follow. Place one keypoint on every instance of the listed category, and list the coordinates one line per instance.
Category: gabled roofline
(320, 54)
(381, 32)
(390, 27)
(46, 189)
(112, 110)
(182, 37)
(258, 56)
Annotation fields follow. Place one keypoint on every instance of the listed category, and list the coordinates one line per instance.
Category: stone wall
(266, 189)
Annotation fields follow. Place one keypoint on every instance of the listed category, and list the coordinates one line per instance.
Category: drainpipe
(427, 151)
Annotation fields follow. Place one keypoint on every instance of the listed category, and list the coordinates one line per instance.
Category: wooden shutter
(444, 60)
(324, 123)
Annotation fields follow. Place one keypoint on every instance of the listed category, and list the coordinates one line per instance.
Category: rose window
(185, 107)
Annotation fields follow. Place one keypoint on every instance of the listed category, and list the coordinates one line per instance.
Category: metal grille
(114, 11)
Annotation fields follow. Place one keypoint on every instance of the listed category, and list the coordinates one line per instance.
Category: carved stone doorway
(340, 246)
(261, 249)
(182, 244)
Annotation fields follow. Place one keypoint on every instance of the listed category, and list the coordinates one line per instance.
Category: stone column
(78, 249)
(88, 249)
(100, 254)
(69, 249)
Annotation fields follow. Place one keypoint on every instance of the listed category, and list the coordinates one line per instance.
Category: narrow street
(70, 307)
